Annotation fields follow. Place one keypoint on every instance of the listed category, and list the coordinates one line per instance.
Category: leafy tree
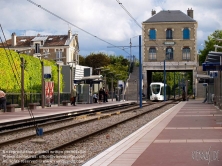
(82, 60)
(209, 45)
(97, 60)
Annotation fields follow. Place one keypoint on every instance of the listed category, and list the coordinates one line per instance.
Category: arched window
(186, 53)
(186, 33)
(152, 34)
(152, 53)
(169, 53)
(169, 34)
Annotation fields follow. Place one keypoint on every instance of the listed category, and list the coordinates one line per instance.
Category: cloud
(104, 19)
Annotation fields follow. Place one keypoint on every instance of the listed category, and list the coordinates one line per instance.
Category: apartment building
(61, 48)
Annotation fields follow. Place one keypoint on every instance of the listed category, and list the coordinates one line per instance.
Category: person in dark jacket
(100, 95)
(104, 95)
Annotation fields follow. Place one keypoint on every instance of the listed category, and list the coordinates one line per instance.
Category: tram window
(155, 89)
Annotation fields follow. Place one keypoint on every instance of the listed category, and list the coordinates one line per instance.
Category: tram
(157, 91)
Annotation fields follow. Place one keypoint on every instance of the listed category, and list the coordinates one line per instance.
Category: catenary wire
(73, 24)
(137, 23)
(15, 71)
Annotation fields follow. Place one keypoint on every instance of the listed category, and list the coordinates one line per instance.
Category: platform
(54, 110)
(186, 135)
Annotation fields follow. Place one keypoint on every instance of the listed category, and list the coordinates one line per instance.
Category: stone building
(169, 35)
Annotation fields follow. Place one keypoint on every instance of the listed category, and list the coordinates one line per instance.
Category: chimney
(69, 34)
(190, 12)
(153, 12)
(13, 39)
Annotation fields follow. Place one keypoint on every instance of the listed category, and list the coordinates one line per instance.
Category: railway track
(49, 152)
(62, 116)
(73, 120)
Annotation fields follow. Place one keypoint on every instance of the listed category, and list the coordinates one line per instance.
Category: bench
(33, 106)
(65, 102)
(11, 107)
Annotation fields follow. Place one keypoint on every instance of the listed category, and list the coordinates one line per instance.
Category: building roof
(26, 41)
(170, 16)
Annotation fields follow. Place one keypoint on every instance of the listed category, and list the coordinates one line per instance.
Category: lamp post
(72, 72)
(105, 70)
(111, 84)
(43, 81)
(58, 60)
(117, 85)
(137, 91)
(99, 70)
(22, 79)
(164, 77)
(22, 83)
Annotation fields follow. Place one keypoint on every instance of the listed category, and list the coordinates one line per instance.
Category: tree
(97, 60)
(82, 60)
(209, 45)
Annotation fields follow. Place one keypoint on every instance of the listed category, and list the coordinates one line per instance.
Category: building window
(169, 34)
(37, 48)
(152, 34)
(186, 33)
(58, 55)
(186, 53)
(169, 53)
(152, 54)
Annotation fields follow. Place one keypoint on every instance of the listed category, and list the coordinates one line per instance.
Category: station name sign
(169, 43)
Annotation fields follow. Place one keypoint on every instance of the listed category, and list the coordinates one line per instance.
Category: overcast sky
(102, 18)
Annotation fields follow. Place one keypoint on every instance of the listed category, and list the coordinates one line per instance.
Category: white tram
(157, 91)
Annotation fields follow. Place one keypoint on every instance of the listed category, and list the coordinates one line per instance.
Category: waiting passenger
(95, 98)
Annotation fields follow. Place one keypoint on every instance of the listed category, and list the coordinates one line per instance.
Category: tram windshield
(155, 89)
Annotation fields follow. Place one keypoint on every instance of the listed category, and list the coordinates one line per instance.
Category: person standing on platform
(104, 95)
(95, 98)
(3, 100)
(100, 95)
(73, 96)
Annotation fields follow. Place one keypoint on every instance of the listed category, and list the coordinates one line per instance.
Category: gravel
(80, 152)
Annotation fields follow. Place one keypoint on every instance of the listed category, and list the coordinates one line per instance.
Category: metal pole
(112, 88)
(179, 85)
(43, 85)
(174, 86)
(22, 84)
(137, 91)
(98, 84)
(140, 72)
(164, 75)
(105, 81)
(58, 84)
(71, 83)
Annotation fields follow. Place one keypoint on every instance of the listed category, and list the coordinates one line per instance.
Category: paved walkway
(19, 115)
(189, 134)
